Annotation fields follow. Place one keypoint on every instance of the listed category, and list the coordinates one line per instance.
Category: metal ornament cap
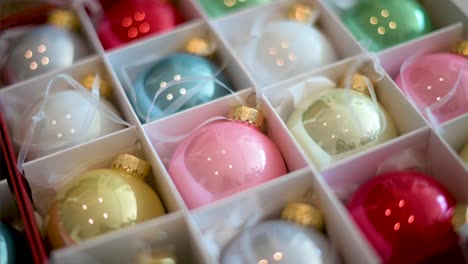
(300, 12)
(64, 19)
(358, 83)
(461, 48)
(105, 89)
(131, 165)
(248, 115)
(303, 214)
(199, 46)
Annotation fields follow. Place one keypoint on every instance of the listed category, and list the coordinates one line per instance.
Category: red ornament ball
(126, 21)
(406, 216)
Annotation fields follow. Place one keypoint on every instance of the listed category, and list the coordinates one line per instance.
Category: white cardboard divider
(169, 232)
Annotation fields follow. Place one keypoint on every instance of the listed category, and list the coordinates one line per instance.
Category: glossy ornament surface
(380, 24)
(71, 118)
(217, 8)
(223, 158)
(406, 216)
(437, 79)
(287, 48)
(101, 201)
(335, 123)
(44, 48)
(279, 241)
(126, 21)
(176, 67)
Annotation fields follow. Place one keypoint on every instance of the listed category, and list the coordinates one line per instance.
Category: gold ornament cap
(63, 19)
(303, 214)
(248, 115)
(460, 216)
(161, 257)
(199, 46)
(300, 12)
(461, 48)
(358, 84)
(105, 88)
(131, 165)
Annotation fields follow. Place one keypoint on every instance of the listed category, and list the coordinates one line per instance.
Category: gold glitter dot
(273, 51)
(280, 62)
(392, 24)
(45, 61)
(41, 48)
(385, 13)
(374, 20)
(28, 54)
(381, 30)
(33, 65)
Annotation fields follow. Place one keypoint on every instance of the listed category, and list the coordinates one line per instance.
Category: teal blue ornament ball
(196, 75)
(380, 24)
(13, 247)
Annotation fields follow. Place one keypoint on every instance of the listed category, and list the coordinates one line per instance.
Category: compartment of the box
(163, 78)
(118, 24)
(274, 47)
(167, 239)
(431, 75)
(264, 203)
(288, 98)
(64, 113)
(120, 198)
(378, 28)
(29, 51)
(222, 165)
(421, 151)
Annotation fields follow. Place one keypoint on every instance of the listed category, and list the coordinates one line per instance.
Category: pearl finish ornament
(335, 123)
(381, 24)
(429, 81)
(223, 158)
(126, 21)
(176, 67)
(406, 216)
(286, 48)
(101, 201)
(45, 48)
(71, 118)
(279, 241)
(217, 8)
